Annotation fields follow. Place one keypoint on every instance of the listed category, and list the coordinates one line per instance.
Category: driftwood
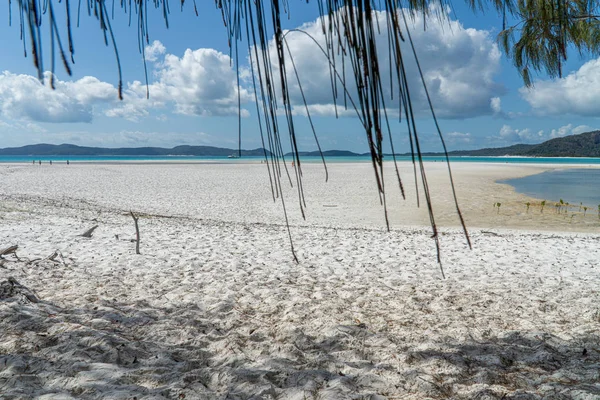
(137, 232)
(53, 258)
(9, 250)
(88, 233)
(56, 258)
(490, 233)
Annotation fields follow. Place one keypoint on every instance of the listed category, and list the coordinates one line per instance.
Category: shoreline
(349, 199)
(512, 160)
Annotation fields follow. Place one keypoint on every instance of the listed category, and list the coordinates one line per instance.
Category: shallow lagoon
(572, 185)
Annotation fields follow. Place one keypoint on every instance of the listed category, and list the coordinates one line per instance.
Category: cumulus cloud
(459, 66)
(511, 135)
(163, 139)
(496, 105)
(568, 130)
(201, 82)
(581, 129)
(154, 50)
(577, 93)
(24, 97)
(457, 138)
(21, 126)
(135, 105)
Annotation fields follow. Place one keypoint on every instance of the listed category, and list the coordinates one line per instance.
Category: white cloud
(562, 131)
(568, 130)
(201, 82)
(154, 50)
(24, 97)
(496, 105)
(511, 135)
(581, 129)
(458, 138)
(577, 93)
(135, 107)
(459, 66)
(21, 126)
(324, 110)
(162, 139)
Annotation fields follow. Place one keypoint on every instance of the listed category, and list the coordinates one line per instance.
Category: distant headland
(73, 150)
(582, 145)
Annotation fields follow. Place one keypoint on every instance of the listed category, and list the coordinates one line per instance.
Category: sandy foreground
(216, 308)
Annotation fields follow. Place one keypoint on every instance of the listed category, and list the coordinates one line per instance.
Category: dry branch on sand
(9, 250)
(51, 258)
(56, 257)
(137, 232)
(89, 232)
(6, 251)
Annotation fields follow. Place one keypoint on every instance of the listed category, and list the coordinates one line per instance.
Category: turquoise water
(572, 185)
(123, 159)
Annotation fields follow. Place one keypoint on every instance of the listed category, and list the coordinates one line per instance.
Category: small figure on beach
(50, 162)
(40, 162)
(67, 162)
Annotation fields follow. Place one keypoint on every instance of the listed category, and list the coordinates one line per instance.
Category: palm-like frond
(544, 31)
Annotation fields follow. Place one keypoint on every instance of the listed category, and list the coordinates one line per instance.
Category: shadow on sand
(136, 351)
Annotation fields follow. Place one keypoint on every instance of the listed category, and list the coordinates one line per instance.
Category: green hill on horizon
(74, 150)
(583, 145)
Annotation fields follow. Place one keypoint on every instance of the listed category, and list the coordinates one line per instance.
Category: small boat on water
(233, 156)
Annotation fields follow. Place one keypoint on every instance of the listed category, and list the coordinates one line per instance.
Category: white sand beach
(214, 307)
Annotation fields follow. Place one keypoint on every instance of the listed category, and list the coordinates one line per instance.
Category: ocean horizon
(29, 159)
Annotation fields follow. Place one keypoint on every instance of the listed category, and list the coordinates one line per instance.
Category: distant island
(73, 150)
(582, 145)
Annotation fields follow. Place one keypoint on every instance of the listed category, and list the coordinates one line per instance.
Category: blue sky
(193, 94)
